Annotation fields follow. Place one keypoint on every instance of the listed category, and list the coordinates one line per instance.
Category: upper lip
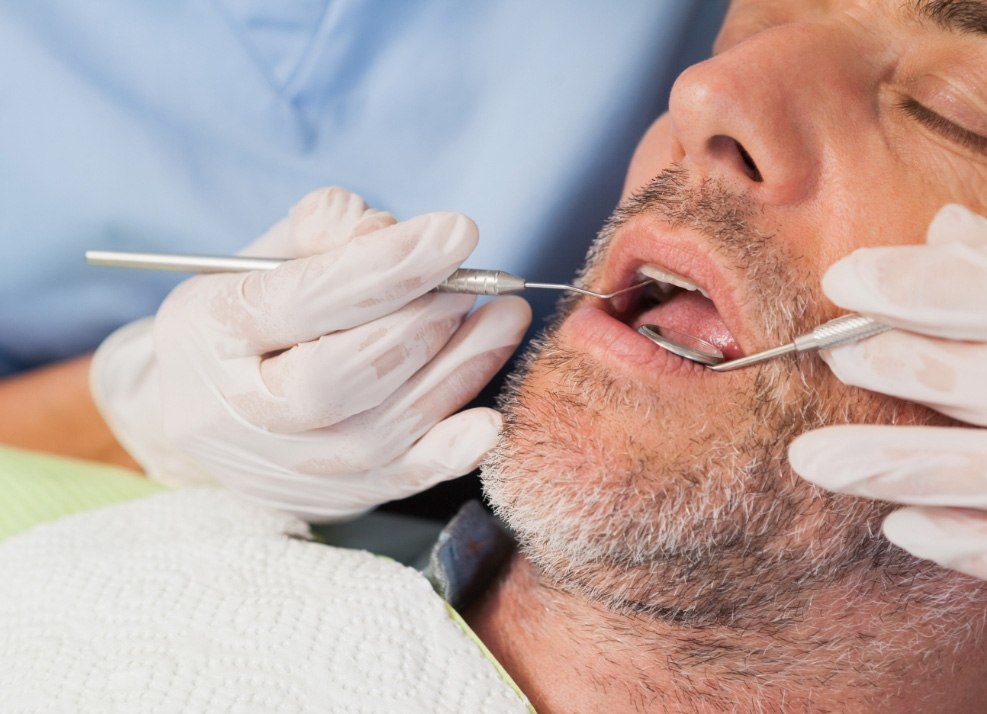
(639, 243)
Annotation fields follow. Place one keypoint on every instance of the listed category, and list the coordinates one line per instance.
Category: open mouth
(675, 302)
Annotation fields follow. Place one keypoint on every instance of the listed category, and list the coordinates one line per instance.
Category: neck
(850, 651)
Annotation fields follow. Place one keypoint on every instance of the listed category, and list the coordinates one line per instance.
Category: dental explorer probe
(471, 281)
(840, 331)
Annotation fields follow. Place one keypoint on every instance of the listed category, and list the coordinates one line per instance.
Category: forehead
(959, 16)
(913, 36)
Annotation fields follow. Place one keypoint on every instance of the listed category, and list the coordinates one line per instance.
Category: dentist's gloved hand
(323, 387)
(937, 294)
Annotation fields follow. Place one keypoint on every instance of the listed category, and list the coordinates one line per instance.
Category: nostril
(731, 153)
(749, 164)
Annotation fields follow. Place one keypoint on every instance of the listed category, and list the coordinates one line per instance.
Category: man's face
(658, 486)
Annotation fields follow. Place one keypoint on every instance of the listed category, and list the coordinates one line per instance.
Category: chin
(668, 508)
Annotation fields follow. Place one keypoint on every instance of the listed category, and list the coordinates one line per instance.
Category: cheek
(656, 151)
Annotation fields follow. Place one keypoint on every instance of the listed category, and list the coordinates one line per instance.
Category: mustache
(707, 207)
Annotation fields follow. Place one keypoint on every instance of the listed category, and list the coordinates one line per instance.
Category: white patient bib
(194, 601)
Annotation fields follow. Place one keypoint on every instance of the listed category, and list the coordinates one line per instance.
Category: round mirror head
(687, 346)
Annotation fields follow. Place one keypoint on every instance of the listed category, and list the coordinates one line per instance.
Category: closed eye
(943, 126)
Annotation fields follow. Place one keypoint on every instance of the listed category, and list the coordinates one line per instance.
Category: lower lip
(593, 331)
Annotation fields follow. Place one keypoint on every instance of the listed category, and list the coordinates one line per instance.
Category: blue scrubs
(193, 125)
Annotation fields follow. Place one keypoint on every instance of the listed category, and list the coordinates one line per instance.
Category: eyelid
(944, 127)
(950, 106)
(950, 101)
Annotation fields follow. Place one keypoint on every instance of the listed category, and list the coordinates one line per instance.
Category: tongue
(691, 313)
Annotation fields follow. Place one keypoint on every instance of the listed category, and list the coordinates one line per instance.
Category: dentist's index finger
(931, 466)
(370, 276)
(945, 375)
(937, 289)
(951, 537)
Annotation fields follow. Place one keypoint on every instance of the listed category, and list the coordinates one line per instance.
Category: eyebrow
(954, 15)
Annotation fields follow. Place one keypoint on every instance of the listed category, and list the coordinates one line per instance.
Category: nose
(744, 116)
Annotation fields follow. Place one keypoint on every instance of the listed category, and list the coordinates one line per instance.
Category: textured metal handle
(481, 282)
(471, 281)
(842, 330)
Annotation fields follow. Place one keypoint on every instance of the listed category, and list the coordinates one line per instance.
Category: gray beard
(717, 530)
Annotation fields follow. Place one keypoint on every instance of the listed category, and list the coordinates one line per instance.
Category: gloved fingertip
(456, 445)
(372, 220)
(952, 538)
(848, 282)
(457, 222)
(323, 219)
(812, 456)
(909, 528)
(802, 453)
(452, 448)
(506, 318)
(453, 233)
(954, 223)
(330, 203)
(519, 307)
(484, 432)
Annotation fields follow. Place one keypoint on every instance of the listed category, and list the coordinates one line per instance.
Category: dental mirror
(836, 332)
(687, 346)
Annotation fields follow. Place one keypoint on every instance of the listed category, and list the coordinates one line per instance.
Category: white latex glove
(938, 293)
(323, 387)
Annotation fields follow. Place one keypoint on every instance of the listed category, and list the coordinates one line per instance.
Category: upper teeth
(663, 275)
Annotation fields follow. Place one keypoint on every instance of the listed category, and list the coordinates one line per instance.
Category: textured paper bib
(194, 601)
